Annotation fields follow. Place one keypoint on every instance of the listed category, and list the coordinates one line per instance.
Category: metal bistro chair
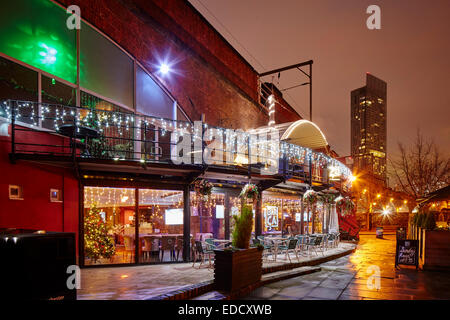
(200, 253)
(290, 246)
(301, 243)
(168, 243)
(147, 248)
(179, 246)
(129, 247)
(267, 248)
(337, 239)
(209, 242)
(312, 244)
(330, 240)
(320, 242)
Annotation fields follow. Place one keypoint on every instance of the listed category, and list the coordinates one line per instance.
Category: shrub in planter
(239, 266)
(421, 220)
(243, 228)
(429, 221)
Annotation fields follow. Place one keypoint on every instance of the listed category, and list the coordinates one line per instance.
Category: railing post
(13, 132)
(72, 141)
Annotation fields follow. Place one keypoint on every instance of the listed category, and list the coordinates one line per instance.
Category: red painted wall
(36, 211)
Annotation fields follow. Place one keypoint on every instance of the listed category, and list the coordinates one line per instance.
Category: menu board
(407, 253)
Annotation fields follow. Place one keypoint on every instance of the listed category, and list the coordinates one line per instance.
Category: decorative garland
(249, 191)
(345, 205)
(203, 188)
(311, 197)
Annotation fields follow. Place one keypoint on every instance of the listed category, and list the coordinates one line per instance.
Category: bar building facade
(89, 120)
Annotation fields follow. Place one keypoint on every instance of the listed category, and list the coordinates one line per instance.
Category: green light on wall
(35, 32)
(48, 54)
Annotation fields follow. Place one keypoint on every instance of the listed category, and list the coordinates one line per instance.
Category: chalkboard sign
(407, 252)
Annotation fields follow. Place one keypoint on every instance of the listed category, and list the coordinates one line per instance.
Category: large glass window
(208, 216)
(151, 99)
(281, 213)
(35, 32)
(109, 225)
(104, 68)
(17, 82)
(117, 131)
(160, 225)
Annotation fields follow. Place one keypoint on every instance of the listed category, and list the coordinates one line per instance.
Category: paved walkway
(347, 278)
(144, 282)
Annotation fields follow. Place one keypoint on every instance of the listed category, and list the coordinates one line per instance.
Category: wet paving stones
(352, 278)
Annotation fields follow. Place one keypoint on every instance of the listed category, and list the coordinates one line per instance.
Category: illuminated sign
(220, 211)
(271, 217)
(334, 173)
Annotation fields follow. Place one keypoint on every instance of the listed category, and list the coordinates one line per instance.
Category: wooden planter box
(435, 250)
(238, 269)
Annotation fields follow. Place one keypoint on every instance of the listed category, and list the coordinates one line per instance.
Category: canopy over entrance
(306, 134)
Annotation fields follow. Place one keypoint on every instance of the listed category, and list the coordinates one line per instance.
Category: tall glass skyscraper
(368, 128)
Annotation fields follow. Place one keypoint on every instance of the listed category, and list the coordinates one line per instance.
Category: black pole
(227, 216)
(310, 92)
(186, 224)
(13, 131)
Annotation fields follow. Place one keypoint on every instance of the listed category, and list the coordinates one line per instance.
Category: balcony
(119, 142)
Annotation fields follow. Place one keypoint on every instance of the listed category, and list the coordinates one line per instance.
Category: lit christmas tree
(97, 244)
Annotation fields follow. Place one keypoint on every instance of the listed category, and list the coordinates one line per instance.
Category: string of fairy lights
(126, 123)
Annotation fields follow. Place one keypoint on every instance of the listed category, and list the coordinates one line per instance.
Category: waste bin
(379, 232)
(34, 266)
(401, 234)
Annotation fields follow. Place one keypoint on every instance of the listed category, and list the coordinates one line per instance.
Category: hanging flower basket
(250, 191)
(345, 205)
(203, 189)
(311, 197)
(328, 198)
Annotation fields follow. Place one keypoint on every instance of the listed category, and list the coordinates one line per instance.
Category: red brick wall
(210, 73)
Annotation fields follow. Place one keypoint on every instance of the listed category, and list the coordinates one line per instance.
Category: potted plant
(239, 266)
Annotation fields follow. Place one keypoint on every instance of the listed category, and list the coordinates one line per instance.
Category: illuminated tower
(368, 128)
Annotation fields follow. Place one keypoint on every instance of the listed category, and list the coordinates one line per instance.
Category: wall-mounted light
(164, 68)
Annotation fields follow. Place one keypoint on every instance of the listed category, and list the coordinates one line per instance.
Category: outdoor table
(221, 243)
(79, 132)
(276, 242)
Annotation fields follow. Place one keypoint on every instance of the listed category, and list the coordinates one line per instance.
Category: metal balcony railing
(68, 131)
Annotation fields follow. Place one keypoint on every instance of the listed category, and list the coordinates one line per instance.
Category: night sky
(411, 53)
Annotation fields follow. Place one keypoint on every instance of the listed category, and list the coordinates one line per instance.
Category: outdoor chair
(200, 254)
(337, 239)
(290, 246)
(168, 243)
(267, 248)
(147, 248)
(302, 243)
(179, 246)
(330, 240)
(312, 244)
(210, 244)
(129, 248)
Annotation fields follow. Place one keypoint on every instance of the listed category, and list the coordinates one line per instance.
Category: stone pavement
(144, 282)
(347, 278)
